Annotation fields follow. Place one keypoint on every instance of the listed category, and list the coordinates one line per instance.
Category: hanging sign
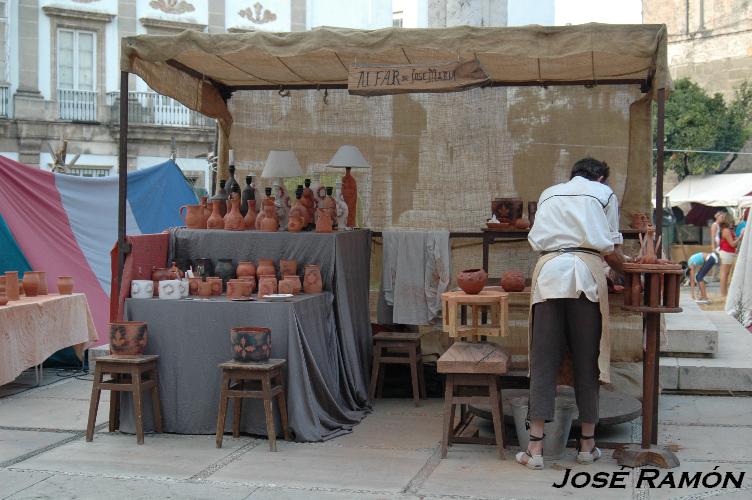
(386, 79)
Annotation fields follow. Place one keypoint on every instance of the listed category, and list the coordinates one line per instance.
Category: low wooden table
(472, 377)
(488, 314)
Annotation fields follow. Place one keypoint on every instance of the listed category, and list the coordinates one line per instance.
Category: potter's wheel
(613, 407)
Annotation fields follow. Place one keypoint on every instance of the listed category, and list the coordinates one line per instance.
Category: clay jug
(234, 219)
(11, 285)
(249, 221)
(267, 286)
(128, 338)
(193, 216)
(288, 267)
(265, 268)
(295, 283)
(30, 284)
(207, 210)
(65, 285)
(216, 221)
(245, 268)
(269, 223)
(323, 220)
(312, 282)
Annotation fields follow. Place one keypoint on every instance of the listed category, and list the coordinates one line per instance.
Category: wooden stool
(261, 377)
(494, 302)
(472, 377)
(127, 376)
(407, 344)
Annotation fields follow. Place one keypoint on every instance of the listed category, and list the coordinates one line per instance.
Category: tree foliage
(696, 121)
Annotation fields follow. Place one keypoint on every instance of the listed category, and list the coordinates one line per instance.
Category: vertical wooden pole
(660, 153)
(122, 175)
(649, 389)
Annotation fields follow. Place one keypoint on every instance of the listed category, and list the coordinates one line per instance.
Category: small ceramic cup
(142, 289)
(169, 289)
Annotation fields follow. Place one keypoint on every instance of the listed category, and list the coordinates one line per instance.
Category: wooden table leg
(237, 411)
(498, 423)
(375, 371)
(266, 386)
(282, 403)
(94, 402)
(137, 403)
(446, 438)
(413, 355)
(222, 411)
(114, 423)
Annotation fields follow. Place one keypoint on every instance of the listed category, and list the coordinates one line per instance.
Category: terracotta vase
(216, 285)
(249, 221)
(237, 288)
(288, 267)
(323, 220)
(513, 281)
(269, 221)
(193, 284)
(295, 283)
(265, 267)
(216, 221)
(207, 210)
(522, 223)
(312, 282)
(42, 280)
(639, 221)
(128, 338)
(251, 344)
(205, 289)
(193, 216)
(234, 219)
(30, 284)
(11, 285)
(472, 281)
(65, 285)
(350, 194)
(245, 268)
(267, 285)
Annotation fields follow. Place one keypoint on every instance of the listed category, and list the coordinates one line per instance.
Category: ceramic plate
(278, 297)
(242, 299)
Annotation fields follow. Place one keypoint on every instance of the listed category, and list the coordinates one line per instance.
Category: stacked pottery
(245, 269)
(216, 285)
(11, 285)
(251, 280)
(291, 283)
(215, 220)
(267, 285)
(128, 338)
(251, 343)
(288, 267)
(265, 267)
(234, 219)
(65, 285)
(238, 288)
(312, 282)
(30, 284)
(472, 281)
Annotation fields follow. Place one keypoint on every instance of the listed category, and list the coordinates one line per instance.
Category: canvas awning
(722, 190)
(201, 70)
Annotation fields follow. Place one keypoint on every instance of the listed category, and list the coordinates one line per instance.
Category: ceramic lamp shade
(349, 157)
(282, 164)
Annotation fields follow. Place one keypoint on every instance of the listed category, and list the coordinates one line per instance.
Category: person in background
(727, 250)
(698, 266)
(715, 229)
(743, 224)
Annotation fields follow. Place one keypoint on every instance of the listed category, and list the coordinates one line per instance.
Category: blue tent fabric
(11, 257)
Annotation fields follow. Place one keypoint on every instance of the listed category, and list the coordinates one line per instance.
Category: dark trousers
(558, 325)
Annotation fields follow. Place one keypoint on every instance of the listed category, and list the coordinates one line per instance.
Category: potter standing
(576, 228)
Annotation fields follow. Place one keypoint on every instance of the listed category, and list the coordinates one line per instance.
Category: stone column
(28, 101)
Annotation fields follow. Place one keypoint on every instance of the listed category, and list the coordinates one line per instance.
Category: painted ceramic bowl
(251, 343)
(128, 338)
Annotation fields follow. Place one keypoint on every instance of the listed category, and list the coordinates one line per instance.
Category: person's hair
(722, 210)
(590, 169)
(727, 220)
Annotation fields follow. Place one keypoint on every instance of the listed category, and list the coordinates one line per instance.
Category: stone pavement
(392, 454)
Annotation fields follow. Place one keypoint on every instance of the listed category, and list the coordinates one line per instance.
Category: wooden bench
(472, 378)
(398, 348)
(266, 381)
(127, 376)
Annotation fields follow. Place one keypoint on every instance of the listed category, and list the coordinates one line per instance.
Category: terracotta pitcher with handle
(193, 216)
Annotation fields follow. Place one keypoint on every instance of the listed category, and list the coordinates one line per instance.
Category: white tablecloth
(34, 328)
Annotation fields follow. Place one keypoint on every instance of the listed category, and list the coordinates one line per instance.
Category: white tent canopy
(722, 190)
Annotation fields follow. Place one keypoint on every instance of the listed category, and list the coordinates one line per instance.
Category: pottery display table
(34, 328)
(192, 337)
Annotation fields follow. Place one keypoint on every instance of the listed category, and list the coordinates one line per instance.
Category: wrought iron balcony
(149, 108)
(77, 105)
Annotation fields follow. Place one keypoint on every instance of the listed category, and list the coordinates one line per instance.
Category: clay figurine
(342, 209)
(282, 203)
(308, 201)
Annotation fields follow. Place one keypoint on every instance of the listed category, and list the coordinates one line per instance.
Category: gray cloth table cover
(193, 336)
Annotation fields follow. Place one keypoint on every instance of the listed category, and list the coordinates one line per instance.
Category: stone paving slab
(265, 493)
(325, 467)
(705, 410)
(46, 413)
(690, 331)
(15, 443)
(14, 481)
(75, 388)
(161, 456)
(709, 444)
(390, 431)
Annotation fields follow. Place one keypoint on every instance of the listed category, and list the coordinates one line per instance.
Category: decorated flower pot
(472, 281)
(128, 338)
(513, 281)
(65, 285)
(251, 343)
(216, 285)
(312, 282)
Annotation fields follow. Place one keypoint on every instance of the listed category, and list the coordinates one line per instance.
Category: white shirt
(579, 213)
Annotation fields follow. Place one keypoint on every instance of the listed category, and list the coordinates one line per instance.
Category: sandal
(587, 457)
(534, 462)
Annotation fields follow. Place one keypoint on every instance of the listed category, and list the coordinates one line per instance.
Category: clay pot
(513, 281)
(239, 288)
(161, 273)
(216, 285)
(288, 267)
(265, 267)
(267, 285)
(193, 216)
(522, 223)
(250, 343)
(128, 338)
(215, 220)
(245, 268)
(234, 219)
(11, 285)
(312, 282)
(65, 285)
(295, 223)
(42, 282)
(323, 220)
(640, 221)
(251, 280)
(204, 288)
(472, 281)
(295, 283)
(193, 284)
(225, 270)
(30, 284)
(249, 221)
